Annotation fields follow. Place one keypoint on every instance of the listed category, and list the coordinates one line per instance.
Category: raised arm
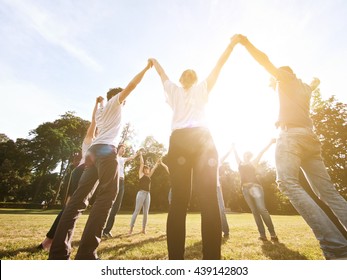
(165, 166)
(91, 129)
(237, 158)
(257, 159)
(154, 168)
(259, 56)
(131, 157)
(223, 158)
(133, 83)
(159, 70)
(212, 78)
(142, 163)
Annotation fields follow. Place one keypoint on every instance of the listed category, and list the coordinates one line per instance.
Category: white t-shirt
(121, 162)
(108, 122)
(85, 147)
(188, 105)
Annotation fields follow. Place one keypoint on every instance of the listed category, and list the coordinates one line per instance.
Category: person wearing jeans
(253, 192)
(143, 196)
(102, 165)
(193, 157)
(74, 177)
(299, 148)
(121, 175)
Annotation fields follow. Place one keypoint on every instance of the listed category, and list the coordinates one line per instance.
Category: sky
(58, 56)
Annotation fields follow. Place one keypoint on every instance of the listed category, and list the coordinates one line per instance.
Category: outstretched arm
(131, 157)
(141, 166)
(257, 159)
(133, 83)
(259, 56)
(237, 158)
(165, 166)
(212, 78)
(223, 158)
(91, 129)
(159, 70)
(154, 168)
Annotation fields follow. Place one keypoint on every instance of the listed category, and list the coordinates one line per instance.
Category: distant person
(103, 156)
(221, 206)
(74, 177)
(299, 148)
(121, 175)
(192, 153)
(253, 192)
(143, 196)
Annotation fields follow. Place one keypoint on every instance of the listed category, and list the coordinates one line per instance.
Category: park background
(56, 57)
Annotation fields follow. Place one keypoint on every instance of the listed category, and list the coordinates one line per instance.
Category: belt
(121, 178)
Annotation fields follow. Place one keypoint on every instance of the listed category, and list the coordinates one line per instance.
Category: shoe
(262, 238)
(226, 235)
(107, 235)
(40, 247)
(274, 239)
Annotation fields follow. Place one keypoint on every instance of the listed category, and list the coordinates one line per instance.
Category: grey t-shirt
(294, 98)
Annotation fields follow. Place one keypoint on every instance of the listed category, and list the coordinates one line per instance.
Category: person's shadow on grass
(279, 251)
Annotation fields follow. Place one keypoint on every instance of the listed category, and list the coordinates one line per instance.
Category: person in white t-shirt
(192, 153)
(103, 167)
(74, 177)
(121, 175)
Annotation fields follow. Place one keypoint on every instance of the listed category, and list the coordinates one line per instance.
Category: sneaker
(226, 235)
(262, 238)
(274, 239)
(107, 235)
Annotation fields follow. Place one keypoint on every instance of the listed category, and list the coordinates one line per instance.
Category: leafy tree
(330, 122)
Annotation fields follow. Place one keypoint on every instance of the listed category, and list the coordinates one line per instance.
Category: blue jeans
(104, 168)
(254, 196)
(115, 207)
(143, 200)
(224, 221)
(300, 148)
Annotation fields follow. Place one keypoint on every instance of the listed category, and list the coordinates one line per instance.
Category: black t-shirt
(248, 174)
(145, 183)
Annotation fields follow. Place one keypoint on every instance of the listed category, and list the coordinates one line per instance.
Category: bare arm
(223, 158)
(131, 157)
(159, 70)
(141, 166)
(259, 56)
(212, 78)
(165, 166)
(133, 83)
(237, 158)
(257, 159)
(154, 168)
(91, 129)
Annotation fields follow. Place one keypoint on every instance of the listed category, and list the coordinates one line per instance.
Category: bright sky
(57, 56)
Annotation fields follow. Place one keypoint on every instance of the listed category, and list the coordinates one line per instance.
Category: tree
(330, 122)
(53, 144)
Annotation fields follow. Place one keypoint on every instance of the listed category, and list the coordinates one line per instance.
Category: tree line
(37, 168)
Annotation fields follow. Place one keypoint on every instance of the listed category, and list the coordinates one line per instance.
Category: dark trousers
(115, 208)
(104, 169)
(73, 184)
(192, 157)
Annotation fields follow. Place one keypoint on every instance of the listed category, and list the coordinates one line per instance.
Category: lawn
(22, 230)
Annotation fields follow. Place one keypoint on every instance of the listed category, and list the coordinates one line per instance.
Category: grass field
(21, 231)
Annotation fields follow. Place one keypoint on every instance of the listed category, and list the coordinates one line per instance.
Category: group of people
(193, 159)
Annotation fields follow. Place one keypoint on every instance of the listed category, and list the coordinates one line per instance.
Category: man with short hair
(299, 148)
(103, 166)
(117, 204)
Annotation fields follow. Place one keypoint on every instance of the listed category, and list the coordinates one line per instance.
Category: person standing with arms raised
(192, 152)
(103, 156)
(297, 148)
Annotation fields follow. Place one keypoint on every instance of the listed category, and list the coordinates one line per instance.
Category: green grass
(22, 230)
